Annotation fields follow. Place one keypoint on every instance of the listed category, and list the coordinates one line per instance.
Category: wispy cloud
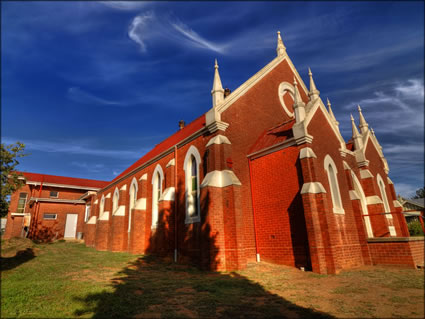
(405, 190)
(79, 149)
(125, 5)
(77, 95)
(147, 26)
(89, 167)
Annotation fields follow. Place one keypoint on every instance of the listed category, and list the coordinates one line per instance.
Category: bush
(415, 228)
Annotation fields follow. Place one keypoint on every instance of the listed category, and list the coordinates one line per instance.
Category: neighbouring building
(263, 175)
(413, 208)
(50, 207)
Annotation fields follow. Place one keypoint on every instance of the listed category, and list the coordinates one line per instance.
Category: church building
(264, 175)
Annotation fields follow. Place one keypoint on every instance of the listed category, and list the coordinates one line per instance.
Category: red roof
(273, 136)
(177, 137)
(35, 177)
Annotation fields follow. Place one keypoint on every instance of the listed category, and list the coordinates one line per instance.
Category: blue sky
(89, 87)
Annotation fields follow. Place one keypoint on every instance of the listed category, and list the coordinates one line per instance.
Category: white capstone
(365, 173)
(307, 152)
(218, 139)
(220, 179)
(108, 196)
(123, 188)
(354, 195)
(144, 177)
(171, 162)
(141, 204)
(96, 201)
(373, 200)
(120, 211)
(312, 188)
(92, 220)
(105, 216)
(168, 194)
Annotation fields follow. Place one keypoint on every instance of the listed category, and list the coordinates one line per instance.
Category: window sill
(339, 211)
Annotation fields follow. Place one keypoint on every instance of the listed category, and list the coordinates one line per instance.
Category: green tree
(420, 193)
(10, 181)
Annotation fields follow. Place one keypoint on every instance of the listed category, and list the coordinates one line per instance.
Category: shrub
(415, 228)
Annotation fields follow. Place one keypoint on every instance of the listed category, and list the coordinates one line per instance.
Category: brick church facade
(263, 175)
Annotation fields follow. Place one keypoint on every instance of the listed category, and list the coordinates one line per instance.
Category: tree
(420, 193)
(10, 181)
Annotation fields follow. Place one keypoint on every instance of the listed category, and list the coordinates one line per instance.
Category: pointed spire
(217, 91)
(372, 131)
(280, 49)
(364, 127)
(299, 105)
(357, 139)
(331, 113)
(314, 92)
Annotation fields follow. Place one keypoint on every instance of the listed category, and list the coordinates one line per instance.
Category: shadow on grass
(152, 287)
(21, 257)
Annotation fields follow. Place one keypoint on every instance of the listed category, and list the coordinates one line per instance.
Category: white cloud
(413, 89)
(69, 148)
(124, 5)
(92, 168)
(77, 95)
(138, 29)
(195, 38)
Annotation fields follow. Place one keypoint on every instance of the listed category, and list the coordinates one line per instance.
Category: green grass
(64, 279)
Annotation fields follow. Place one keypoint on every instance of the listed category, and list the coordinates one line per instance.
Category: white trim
(17, 214)
(365, 173)
(345, 164)
(337, 204)
(396, 203)
(392, 231)
(307, 152)
(63, 186)
(96, 201)
(220, 179)
(92, 220)
(144, 177)
(168, 194)
(313, 188)
(192, 151)
(389, 180)
(171, 162)
(372, 200)
(102, 206)
(141, 204)
(108, 195)
(132, 200)
(218, 139)
(155, 201)
(283, 88)
(363, 203)
(57, 200)
(123, 188)
(115, 200)
(384, 197)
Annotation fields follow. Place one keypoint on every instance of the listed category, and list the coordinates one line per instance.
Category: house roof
(420, 202)
(273, 136)
(63, 180)
(174, 139)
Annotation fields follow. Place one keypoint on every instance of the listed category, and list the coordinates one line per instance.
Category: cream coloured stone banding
(141, 204)
(220, 179)
(218, 139)
(307, 152)
(312, 188)
(373, 200)
(365, 173)
(168, 194)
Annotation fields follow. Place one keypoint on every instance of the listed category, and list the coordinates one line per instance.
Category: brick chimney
(181, 124)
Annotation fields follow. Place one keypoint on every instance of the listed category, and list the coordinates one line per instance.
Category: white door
(71, 225)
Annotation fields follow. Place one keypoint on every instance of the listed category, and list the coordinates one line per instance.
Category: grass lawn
(65, 279)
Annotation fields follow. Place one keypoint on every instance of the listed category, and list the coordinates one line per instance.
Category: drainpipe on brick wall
(37, 208)
(253, 211)
(175, 203)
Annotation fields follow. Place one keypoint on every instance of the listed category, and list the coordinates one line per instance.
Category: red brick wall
(409, 253)
(279, 215)
(90, 234)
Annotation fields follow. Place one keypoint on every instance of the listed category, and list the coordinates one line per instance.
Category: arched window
(359, 190)
(115, 200)
(157, 178)
(332, 172)
(102, 206)
(133, 198)
(384, 196)
(191, 165)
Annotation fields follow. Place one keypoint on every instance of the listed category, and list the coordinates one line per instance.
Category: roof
(273, 136)
(420, 202)
(53, 179)
(174, 139)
